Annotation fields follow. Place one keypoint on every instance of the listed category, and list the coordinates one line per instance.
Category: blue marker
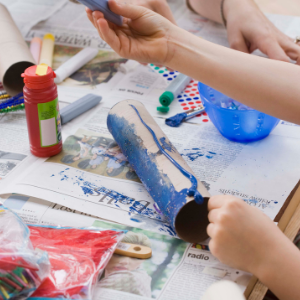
(78, 107)
(102, 5)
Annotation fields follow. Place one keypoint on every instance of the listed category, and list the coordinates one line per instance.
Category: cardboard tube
(163, 180)
(15, 56)
(47, 49)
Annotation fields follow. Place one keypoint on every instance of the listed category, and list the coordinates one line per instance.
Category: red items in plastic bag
(77, 257)
(21, 268)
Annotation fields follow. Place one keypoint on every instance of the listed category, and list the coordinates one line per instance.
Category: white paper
(27, 13)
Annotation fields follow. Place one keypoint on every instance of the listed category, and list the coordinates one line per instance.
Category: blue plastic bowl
(236, 125)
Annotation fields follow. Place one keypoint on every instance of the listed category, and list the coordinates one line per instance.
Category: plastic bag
(77, 256)
(21, 268)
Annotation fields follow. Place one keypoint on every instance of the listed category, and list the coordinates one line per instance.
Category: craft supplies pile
(51, 262)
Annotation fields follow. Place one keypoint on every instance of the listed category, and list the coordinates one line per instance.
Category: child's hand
(241, 235)
(143, 36)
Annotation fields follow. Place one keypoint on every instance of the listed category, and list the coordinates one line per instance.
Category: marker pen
(102, 5)
(79, 107)
(47, 50)
(174, 89)
(75, 63)
(35, 48)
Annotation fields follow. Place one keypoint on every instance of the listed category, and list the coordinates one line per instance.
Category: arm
(245, 238)
(248, 28)
(266, 85)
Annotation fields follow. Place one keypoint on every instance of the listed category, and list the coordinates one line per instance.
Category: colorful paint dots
(189, 98)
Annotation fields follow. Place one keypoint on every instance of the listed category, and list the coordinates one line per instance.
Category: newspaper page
(91, 175)
(28, 13)
(176, 270)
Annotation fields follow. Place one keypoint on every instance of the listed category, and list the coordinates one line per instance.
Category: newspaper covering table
(91, 184)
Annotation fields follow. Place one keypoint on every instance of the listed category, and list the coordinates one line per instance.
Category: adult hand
(159, 6)
(241, 235)
(143, 36)
(249, 29)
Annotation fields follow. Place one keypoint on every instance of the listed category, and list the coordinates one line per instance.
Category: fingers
(127, 10)
(216, 202)
(90, 15)
(108, 34)
(213, 215)
(274, 50)
(291, 49)
(210, 230)
(162, 8)
(237, 41)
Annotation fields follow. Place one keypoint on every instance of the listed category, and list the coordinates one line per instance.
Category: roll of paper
(47, 49)
(75, 63)
(178, 194)
(15, 56)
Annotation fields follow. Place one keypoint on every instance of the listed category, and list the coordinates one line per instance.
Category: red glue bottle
(42, 111)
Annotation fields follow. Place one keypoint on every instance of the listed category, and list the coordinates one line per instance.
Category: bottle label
(50, 123)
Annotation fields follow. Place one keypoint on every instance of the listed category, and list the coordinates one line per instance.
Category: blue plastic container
(236, 125)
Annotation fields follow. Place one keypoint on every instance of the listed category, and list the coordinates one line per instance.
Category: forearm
(266, 85)
(280, 269)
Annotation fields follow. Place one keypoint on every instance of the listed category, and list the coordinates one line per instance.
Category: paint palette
(189, 98)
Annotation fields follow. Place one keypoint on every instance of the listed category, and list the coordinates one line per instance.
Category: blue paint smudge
(135, 220)
(166, 145)
(176, 120)
(209, 157)
(89, 188)
(211, 152)
(193, 156)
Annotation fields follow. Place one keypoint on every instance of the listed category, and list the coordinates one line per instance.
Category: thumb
(127, 10)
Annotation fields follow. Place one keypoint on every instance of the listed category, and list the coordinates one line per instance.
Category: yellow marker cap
(49, 36)
(41, 69)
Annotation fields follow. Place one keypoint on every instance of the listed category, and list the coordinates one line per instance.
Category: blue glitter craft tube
(179, 195)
